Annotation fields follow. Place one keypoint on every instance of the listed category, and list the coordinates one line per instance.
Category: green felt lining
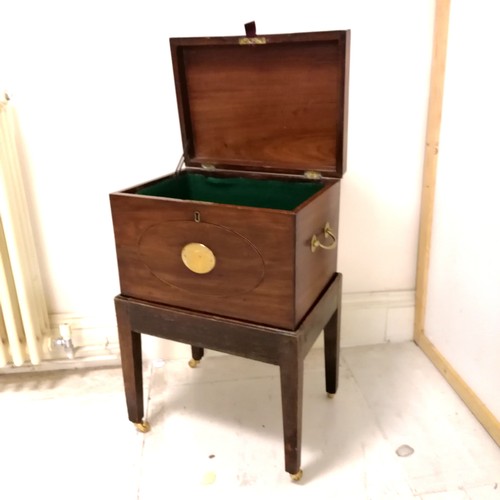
(277, 194)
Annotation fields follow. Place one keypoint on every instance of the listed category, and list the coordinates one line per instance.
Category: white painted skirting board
(367, 318)
(377, 317)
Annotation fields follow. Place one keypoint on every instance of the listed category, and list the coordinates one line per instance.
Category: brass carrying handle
(327, 233)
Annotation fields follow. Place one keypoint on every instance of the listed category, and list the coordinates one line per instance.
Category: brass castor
(143, 426)
(330, 395)
(193, 363)
(297, 476)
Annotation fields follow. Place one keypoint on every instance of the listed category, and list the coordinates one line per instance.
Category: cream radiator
(24, 322)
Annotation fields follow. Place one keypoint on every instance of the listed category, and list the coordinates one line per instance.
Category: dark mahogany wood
(313, 270)
(131, 358)
(197, 352)
(332, 352)
(265, 271)
(254, 276)
(271, 103)
(255, 106)
(292, 385)
(284, 348)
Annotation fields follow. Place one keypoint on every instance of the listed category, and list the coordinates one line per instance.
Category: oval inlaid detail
(239, 268)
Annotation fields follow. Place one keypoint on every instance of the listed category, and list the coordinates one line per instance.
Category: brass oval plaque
(198, 258)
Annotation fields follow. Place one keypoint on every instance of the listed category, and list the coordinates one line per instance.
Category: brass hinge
(252, 40)
(179, 165)
(311, 174)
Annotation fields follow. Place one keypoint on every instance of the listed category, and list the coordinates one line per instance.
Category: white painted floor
(216, 432)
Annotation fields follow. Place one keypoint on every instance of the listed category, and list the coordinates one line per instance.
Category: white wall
(463, 309)
(93, 85)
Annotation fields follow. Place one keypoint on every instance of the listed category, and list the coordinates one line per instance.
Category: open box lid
(269, 103)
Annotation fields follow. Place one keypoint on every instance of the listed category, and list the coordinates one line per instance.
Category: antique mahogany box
(247, 226)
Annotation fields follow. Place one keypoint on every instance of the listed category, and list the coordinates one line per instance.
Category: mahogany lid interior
(277, 106)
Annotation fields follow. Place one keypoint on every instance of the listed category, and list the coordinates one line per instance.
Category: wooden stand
(284, 348)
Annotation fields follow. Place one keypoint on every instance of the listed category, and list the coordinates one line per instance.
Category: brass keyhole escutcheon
(198, 258)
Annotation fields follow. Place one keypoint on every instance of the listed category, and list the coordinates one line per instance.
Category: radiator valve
(65, 340)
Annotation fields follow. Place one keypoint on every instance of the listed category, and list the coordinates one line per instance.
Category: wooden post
(430, 161)
(470, 398)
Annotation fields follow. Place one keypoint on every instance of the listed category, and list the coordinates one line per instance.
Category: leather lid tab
(251, 29)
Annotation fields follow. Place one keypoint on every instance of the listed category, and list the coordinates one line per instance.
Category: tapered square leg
(196, 353)
(284, 348)
(332, 349)
(292, 376)
(131, 357)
